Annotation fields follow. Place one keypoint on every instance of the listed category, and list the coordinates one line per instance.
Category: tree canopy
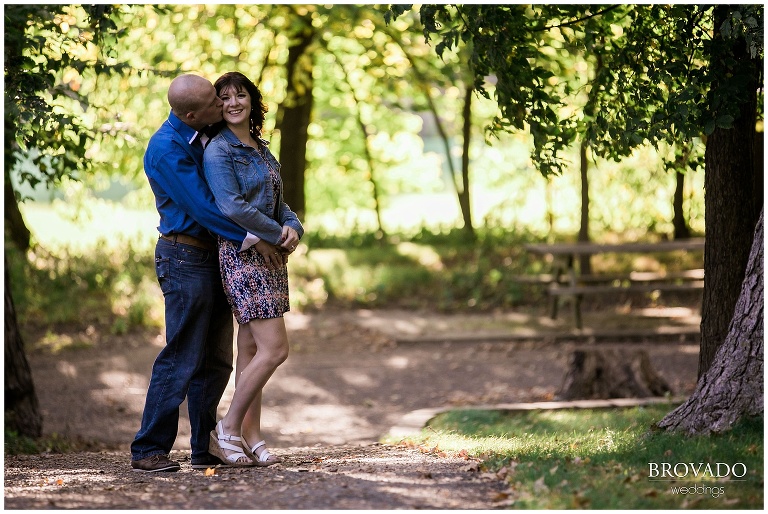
(41, 43)
(654, 83)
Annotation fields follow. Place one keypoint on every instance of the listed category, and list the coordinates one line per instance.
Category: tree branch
(574, 22)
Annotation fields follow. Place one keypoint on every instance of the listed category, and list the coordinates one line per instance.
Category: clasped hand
(276, 256)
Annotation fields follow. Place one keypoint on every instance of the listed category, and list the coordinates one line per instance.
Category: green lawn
(604, 458)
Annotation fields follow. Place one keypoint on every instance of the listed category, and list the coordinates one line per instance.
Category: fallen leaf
(473, 467)
(59, 482)
(209, 472)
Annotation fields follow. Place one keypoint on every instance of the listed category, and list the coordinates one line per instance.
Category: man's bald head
(193, 100)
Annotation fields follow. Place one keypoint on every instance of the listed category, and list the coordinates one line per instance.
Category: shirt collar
(184, 130)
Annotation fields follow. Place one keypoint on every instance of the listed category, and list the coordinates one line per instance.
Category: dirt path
(351, 376)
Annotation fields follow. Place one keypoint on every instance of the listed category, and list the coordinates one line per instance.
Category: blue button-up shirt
(173, 163)
(240, 180)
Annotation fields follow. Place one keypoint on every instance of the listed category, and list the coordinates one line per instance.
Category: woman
(245, 180)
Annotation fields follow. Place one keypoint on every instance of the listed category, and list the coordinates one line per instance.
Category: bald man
(196, 362)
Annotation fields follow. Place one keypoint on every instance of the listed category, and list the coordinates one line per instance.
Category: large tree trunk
(294, 116)
(731, 203)
(22, 413)
(15, 226)
(733, 386)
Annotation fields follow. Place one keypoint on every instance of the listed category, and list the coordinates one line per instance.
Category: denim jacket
(239, 179)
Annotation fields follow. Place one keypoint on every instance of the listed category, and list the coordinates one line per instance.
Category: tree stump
(611, 373)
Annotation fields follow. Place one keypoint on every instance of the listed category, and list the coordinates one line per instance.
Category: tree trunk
(733, 386)
(602, 374)
(293, 120)
(464, 199)
(758, 166)
(585, 261)
(22, 413)
(15, 226)
(730, 205)
(365, 133)
(679, 223)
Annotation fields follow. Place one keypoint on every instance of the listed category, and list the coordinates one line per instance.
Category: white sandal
(262, 460)
(219, 443)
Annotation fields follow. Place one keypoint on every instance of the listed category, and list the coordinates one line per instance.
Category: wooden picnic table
(566, 280)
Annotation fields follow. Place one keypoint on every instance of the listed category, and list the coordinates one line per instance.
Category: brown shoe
(155, 463)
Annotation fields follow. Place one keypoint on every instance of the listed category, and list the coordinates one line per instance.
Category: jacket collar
(233, 140)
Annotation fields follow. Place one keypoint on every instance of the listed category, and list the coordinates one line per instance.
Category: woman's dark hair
(238, 81)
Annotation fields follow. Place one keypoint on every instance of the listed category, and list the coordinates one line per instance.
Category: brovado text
(695, 470)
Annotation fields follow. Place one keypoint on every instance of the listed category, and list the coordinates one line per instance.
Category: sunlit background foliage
(357, 67)
(376, 89)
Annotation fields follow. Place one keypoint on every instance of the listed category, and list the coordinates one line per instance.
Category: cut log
(611, 373)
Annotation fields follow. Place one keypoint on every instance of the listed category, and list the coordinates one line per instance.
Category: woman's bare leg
(267, 348)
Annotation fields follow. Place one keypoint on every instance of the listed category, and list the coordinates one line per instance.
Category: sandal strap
(228, 437)
(221, 436)
(225, 445)
(265, 455)
(232, 447)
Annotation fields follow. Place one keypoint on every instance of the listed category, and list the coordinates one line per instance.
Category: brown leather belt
(189, 240)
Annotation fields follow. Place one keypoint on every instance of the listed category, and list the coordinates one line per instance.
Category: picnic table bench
(566, 281)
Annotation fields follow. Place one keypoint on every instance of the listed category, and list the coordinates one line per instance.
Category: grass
(109, 287)
(602, 458)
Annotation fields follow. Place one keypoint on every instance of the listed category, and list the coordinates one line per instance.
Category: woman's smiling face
(237, 106)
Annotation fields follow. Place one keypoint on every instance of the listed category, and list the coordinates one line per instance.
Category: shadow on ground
(352, 375)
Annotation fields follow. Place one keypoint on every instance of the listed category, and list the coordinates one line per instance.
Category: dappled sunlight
(682, 314)
(397, 362)
(356, 378)
(328, 423)
(297, 321)
(691, 349)
(66, 369)
(123, 381)
(301, 387)
(412, 324)
(425, 255)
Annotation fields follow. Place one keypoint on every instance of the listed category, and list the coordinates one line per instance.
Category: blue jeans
(197, 359)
